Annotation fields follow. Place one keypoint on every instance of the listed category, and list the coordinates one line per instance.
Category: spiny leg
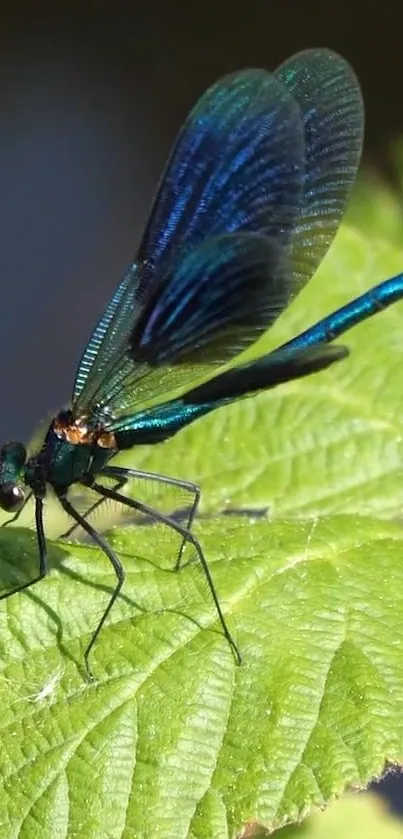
(40, 535)
(18, 513)
(188, 537)
(113, 559)
(119, 485)
(122, 476)
(193, 489)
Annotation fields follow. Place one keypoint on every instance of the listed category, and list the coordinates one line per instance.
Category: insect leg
(113, 559)
(119, 485)
(193, 489)
(188, 537)
(40, 535)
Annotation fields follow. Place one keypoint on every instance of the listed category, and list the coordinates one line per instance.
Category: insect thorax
(72, 451)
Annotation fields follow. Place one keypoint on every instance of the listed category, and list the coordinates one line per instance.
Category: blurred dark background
(91, 97)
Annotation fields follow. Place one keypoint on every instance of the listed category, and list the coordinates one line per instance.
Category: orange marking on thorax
(79, 433)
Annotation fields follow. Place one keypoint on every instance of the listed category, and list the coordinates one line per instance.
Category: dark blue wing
(329, 96)
(163, 421)
(272, 155)
(238, 165)
(216, 300)
(108, 343)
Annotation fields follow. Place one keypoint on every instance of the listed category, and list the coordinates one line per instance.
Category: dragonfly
(252, 196)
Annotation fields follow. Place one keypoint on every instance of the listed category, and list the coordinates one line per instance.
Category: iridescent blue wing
(329, 96)
(163, 421)
(237, 166)
(274, 156)
(216, 299)
(108, 343)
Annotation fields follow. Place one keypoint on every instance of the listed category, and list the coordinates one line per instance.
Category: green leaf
(376, 209)
(358, 817)
(174, 740)
(327, 444)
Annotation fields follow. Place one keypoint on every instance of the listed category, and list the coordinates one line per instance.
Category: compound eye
(14, 453)
(12, 497)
